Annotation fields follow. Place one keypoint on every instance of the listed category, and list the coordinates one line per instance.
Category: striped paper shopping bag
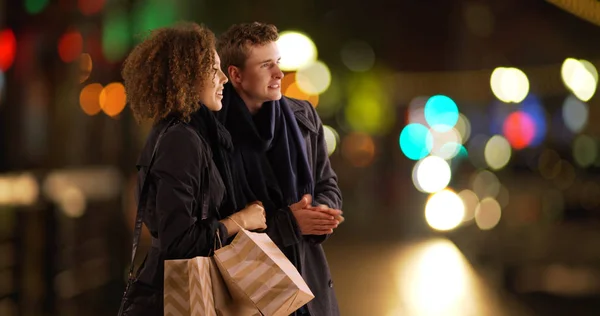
(255, 270)
(189, 288)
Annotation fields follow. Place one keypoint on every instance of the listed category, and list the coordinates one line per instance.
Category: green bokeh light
(153, 14)
(116, 35)
(35, 6)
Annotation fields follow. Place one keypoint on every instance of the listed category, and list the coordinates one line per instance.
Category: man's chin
(274, 96)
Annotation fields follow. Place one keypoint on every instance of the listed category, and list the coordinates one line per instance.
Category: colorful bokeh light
(416, 141)
(519, 129)
(8, 49)
(70, 46)
(441, 113)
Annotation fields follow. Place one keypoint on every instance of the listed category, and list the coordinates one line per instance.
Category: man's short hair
(233, 45)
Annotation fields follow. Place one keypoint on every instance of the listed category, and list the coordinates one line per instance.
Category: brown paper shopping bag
(189, 288)
(196, 287)
(256, 271)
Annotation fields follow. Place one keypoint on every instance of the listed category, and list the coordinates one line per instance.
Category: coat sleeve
(177, 169)
(283, 229)
(326, 182)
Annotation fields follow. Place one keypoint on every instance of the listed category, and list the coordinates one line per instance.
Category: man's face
(260, 79)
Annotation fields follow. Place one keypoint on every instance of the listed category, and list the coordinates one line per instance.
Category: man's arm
(327, 191)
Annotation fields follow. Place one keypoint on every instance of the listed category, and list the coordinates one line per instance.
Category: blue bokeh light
(533, 107)
(1, 81)
(416, 141)
(441, 113)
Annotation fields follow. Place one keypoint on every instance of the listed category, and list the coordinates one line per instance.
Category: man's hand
(312, 221)
(337, 214)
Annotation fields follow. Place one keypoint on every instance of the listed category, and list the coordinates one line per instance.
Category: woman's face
(211, 93)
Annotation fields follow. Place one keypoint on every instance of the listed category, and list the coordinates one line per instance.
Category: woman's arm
(177, 168)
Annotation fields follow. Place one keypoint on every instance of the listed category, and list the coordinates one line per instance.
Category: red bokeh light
(90, 7)
(70, 46)
(8, 49)
(519, 129)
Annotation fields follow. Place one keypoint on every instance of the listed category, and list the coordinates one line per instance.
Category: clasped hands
(315, 220)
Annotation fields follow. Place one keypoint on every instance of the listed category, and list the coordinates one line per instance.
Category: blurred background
(465, 135)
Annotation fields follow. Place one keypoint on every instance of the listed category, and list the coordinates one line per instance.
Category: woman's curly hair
(163, 74)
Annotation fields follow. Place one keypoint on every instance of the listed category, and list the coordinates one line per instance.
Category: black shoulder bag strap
(140, 215)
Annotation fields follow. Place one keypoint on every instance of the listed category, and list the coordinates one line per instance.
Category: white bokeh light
(497, 152)
(297, 50)
(581, 77)
(331, 138)
(314, 78)
(444, 210)
(509, 84)
(432, 174)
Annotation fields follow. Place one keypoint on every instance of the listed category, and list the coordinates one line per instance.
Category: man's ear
(235, 74)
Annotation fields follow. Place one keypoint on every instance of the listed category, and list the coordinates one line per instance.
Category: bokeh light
(314, 78)
(585, 150)
(533, 107)
(293, 91)
(89, 99)
(444, 210)
(519, 129)
(432, 174)
(470, 201)
(358, 149)
(152, 14)
(358, 56)
(8, 49)
(35, 6)
(331, 138)
(90, 7)
(288, 79)
(463, 126)
(485, 184)
(497, 152)
(416, 141)
(2, 81)
(452, 150)
(446, 144)
(509, 84)
(331, 100)
(369, 108)
(581, 77)
(72, 202)
(116, 38)
(113, 99)
(85, 67)
(70, 46)
(503, 197)
(575, 114)
(416, 110)
(488, 213)
(441, 113)
(297, 50)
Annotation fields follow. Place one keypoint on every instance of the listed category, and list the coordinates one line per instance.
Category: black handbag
(139, 298)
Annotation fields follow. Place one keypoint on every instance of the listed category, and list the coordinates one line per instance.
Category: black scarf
(220, 180)
(272, 133)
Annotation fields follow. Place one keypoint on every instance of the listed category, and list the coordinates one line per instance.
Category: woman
(173, 73)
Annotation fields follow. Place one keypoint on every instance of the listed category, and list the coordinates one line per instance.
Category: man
(280, 157)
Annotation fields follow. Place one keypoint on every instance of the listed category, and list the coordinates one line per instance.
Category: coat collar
(303, 114)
